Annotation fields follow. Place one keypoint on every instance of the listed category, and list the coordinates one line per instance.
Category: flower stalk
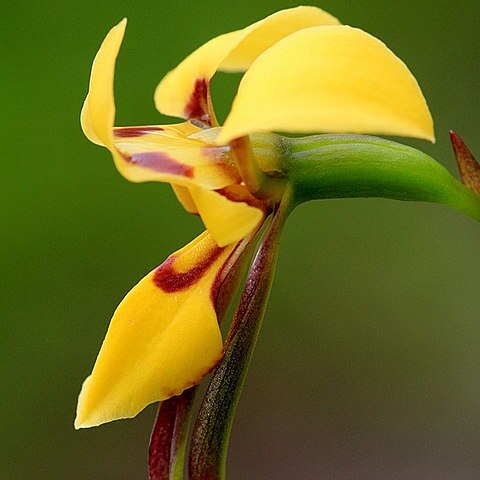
(212, 428)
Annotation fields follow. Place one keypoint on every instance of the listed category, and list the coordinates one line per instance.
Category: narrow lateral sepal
(468, 165)
(169, 437)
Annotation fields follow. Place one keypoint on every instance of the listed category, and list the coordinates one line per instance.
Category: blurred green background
(368, 365)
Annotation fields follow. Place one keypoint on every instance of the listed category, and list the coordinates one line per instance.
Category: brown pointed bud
(467, 164)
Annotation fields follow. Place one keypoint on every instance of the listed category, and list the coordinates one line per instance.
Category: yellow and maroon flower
(304, 73)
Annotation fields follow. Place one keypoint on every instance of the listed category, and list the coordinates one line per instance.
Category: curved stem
(346, 166)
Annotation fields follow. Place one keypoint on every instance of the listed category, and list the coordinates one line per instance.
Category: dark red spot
(159, 162)
(131, 132)
(197, 107)
(223, 273)
(167, 279)
(238, 193)
(227, 193)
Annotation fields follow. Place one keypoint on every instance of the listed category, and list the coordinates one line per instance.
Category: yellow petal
(334, 79)
(263, 34)
(184, 92)
(98, 113)
(185, 198)
(148, 153)
(163, 338)
(229, 214)
(166, 154)
(87, 127)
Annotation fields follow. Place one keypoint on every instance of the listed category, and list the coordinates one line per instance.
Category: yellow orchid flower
(304, 73)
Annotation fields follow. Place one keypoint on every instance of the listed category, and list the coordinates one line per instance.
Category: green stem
(346, 166)
(212, 428)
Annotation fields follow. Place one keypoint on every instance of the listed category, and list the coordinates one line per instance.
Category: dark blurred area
(368, 365)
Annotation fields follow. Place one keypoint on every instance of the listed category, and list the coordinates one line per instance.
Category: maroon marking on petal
(131, 132)
(224, 272)
(224, 192)
(236, 194)
(160, 162)
(197, 107)
(167, 279)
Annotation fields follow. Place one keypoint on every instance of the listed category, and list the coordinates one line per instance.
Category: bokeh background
(368, 365)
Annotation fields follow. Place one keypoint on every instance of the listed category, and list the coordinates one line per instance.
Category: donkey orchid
(304, 73)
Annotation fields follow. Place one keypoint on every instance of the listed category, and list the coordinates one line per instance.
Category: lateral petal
(163, 338)
(185, 198)
(166, 154)
(148, 153)
(98, 112)
(184, 92)
(229, 214)
(334, 79)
